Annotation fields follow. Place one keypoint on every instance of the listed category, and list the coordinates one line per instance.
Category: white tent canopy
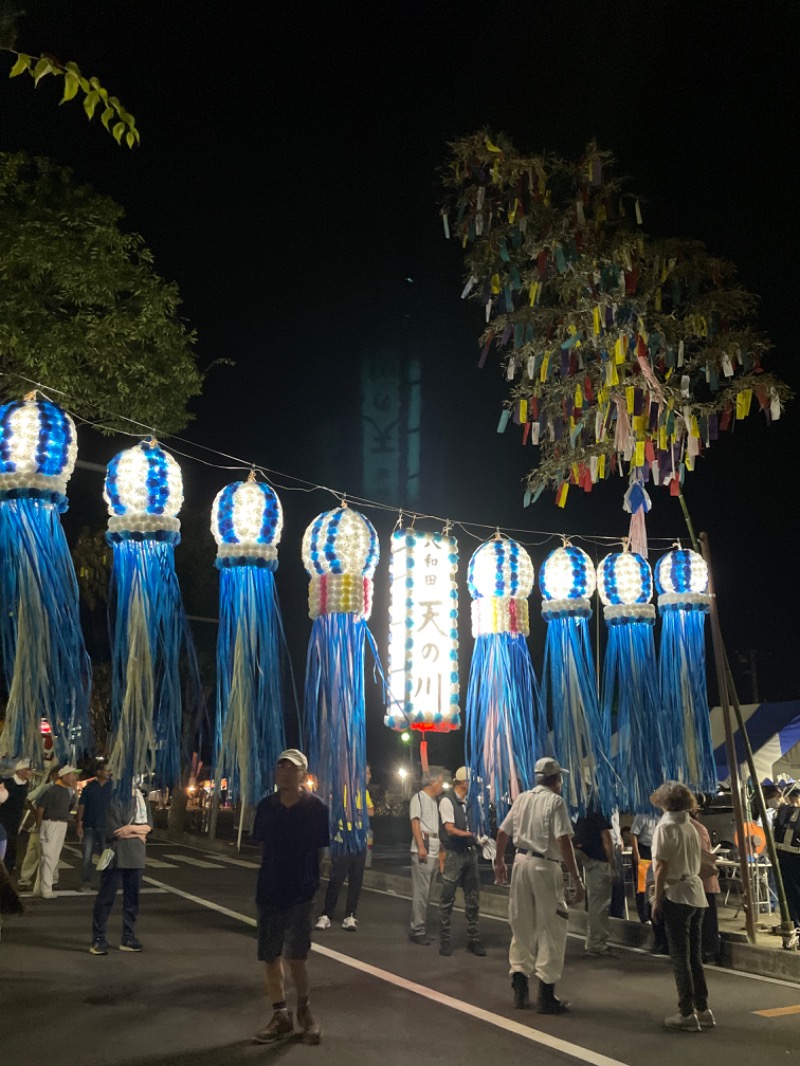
(774, 732)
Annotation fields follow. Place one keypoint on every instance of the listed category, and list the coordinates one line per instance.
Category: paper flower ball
(143, 490)
(341, 542)
(246, 521)
(38, 447)
(681, 571)
(500, 568)
(567, 574)
(624, 578)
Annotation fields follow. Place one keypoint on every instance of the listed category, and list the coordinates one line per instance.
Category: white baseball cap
(548, 768)
(461, 774)
(297, 758)
(68, 769)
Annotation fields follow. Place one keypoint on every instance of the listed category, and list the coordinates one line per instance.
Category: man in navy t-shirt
(92, 816)
(292, 826)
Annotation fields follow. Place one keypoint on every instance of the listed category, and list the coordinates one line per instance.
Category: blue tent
(774, 732)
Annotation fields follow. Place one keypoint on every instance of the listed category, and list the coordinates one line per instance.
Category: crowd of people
(292, 826)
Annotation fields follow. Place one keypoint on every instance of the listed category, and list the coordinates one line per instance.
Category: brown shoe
(280, 1025)
(311, 1033)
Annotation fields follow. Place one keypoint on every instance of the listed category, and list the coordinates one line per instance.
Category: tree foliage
(621, 351)
(82, 309)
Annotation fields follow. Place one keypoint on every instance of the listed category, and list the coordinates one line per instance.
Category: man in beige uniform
(540, 827)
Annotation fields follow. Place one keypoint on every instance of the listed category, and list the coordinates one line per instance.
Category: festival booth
(774, 732)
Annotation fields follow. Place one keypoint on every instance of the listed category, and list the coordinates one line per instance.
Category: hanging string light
(630, 677)
(581, 736)
(144, 494)
(506, 732)
(683, 602)
(340, 553)
(47, 670)
(246, 521)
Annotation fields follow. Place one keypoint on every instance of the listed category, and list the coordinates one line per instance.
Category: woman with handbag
(679, 896)
(127, 827)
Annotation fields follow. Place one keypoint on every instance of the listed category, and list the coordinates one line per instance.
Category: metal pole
(788, 939)
(241, 823)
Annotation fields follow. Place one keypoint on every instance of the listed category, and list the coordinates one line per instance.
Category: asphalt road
(195, 995)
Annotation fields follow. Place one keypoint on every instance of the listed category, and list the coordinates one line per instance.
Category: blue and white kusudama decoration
(340, 553)
(144, 493)
(581, 736)
(47, 671)
(683, 603)
(246, 521)
(506, 731)
(630, 689)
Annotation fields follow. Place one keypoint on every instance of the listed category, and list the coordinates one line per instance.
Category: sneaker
(350, 924)
(604, 953)
(279, 1026)
(311, 1033)
(419, 938)
(23, 884)
(99, 947)
(132, 944)
(323, 922)
(46, 895)
(84, 887)
(474, 947)
(688, 1022)
(706, 1019)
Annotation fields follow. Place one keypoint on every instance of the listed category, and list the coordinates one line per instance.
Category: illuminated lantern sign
(423, 633)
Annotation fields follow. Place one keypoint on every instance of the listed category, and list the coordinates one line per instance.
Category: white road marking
(157, 864)
(238, 862)
(74, 892)
(190, 859)
(497, 1020)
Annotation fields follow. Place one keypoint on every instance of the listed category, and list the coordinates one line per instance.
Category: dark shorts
(284, 927)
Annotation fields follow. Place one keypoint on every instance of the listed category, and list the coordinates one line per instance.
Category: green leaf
(22, 64)
(90, 103)
(73, 69)
(106, 117)
(70, 87)
(130, 140)
(118, 130)
(42, 68)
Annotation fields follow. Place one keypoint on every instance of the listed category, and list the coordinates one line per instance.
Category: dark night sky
(287, 182)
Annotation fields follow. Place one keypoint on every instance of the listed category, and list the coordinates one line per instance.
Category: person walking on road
(539, 825)
(679, 896)
(460, 866)
(292, 828)
(594, 846)
(92, 814)
(127, 826)
(13, 807)
(52, 815)
(423, 813)
(350, 867)
(30, 862)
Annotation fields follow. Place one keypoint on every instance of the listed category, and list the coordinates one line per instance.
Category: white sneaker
(350, 924)
(323, 922)
(706, 1019)
(683, 1021)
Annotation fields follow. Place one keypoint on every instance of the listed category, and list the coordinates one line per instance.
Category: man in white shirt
(460, 866)
(540, 827)
(424, 815)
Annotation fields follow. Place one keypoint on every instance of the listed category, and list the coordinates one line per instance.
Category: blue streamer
(505, 728)
(45, 664)
(630, 688)
(149, 632)
(581, 736)
(335, 725)
(682, 673)
(250, 732)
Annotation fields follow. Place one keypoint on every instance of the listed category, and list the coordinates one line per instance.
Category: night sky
(287, 181)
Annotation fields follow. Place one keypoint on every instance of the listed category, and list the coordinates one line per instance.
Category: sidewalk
(391, 872)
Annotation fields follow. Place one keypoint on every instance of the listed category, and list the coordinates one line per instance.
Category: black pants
(347, 866)
(10, 859)
(110, 880)
(710, 929)
(790, 875)
(684, 927)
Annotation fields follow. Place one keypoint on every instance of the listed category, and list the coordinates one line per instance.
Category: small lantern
(500, 580)
(144, 491)
(682, 577)
(625, 586)
(38, 448)
(567, 580)
(247, 522)
(340, 553)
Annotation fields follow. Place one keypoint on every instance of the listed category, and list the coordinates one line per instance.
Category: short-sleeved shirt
(676, 843)
(536, 821)
(95, 799)
(57, 801)
(642, 828)
(589, 835)
(425, 808)
(291, 838)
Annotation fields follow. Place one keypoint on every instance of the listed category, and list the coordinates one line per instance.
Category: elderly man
(52, 814)
(539, 825)
(460, 866)
(11, 811)
(423, 812)
(292, 827)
